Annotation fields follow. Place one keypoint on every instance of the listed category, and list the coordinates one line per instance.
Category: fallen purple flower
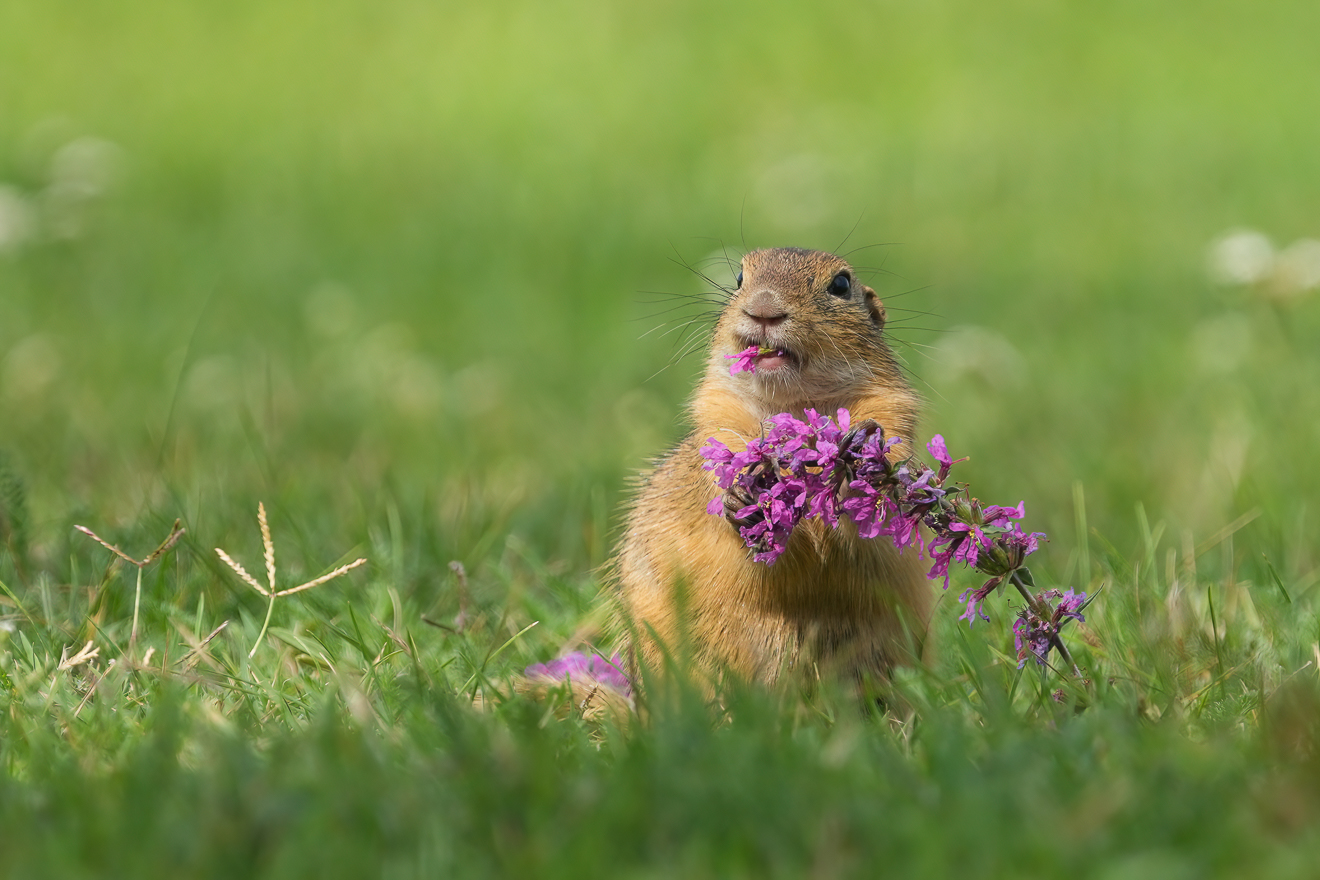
(584, 668)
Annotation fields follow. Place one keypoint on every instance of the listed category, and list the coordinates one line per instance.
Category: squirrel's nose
(764, 308)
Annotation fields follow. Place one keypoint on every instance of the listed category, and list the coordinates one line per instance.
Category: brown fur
(684, 577)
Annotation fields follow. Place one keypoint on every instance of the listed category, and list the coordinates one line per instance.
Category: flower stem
(269, 610)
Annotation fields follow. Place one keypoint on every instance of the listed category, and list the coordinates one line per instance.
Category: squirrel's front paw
(736, 500)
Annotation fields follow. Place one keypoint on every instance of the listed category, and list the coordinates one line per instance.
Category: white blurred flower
(18, 222)
(1247, 257)
(1241, 256)
(1297, 268)
(386, 365)
(80, 172)
(87, 165)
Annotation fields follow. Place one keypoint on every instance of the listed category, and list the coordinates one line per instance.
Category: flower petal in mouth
(747, 360)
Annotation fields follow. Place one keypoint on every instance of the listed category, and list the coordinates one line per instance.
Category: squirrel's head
(816, 328)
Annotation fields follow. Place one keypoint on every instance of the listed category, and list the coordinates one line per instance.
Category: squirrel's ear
(874, 307)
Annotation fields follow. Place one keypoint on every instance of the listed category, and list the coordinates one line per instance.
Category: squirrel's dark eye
(738, 286)
(841, 286)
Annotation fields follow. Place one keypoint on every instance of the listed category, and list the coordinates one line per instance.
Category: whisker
(847, 255)
(903, 293)
(684, 327)
(666, 295)
(839, 247)
(914, 311)
(669, 312)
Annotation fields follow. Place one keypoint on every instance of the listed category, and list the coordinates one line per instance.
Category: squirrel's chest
(823, 573)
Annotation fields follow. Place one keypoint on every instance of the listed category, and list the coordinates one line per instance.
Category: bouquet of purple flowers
(831, 469)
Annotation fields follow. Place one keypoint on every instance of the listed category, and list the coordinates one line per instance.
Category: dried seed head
(268, 544)
(242, 572)
(111, 547)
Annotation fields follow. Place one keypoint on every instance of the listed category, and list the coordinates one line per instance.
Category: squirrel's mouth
(762, 356)
(776, 360)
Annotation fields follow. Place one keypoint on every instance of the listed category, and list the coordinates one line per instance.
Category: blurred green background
(438, 255)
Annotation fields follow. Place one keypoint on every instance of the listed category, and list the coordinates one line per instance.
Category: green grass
(413, 275)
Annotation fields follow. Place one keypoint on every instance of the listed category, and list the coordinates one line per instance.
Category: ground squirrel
(833, 602)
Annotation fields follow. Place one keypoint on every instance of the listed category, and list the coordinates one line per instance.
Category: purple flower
(786, 429)
(1031, 638)
(1070, 605)
(584, 669)
(967, 547)
(772, 521)
(824, 504)
(956, 542)
(715, 452)
(975, 597)
(1000, 516)
(1034, 635)
(866, 508)
(744, 361)
(939, 451)
(828, 468)
(903, 528)
(727, 465)
(940, 564)
(719, 460)
(1025, 543)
